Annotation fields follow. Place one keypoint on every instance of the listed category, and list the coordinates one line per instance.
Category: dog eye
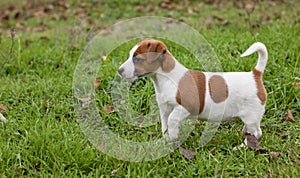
(136, 59)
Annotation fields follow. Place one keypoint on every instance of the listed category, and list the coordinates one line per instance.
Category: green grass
(42, 136)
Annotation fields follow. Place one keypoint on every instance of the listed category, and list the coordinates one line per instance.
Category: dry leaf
(54, 17)
(27, 42)
(109, 109)
(151, 133)
(208, 22)
(3, 107)
(190, 10)
(181, 20)
(274, 155)
(289, 116)
(85, 101)
(97, 83)
(220, 19)
(189, 154)
(76, 46)
(253, 143)
(141, 119)
(197, 122)
(102, 15)
(297, 85)
(249, 7)
(115, 171)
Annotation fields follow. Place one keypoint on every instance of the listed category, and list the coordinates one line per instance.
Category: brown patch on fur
(261, 91)
(168, 63)
(191, 91)
(154, 54)
(218, 88)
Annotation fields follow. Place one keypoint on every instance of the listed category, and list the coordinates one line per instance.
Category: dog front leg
(165, 111)
(174, 120)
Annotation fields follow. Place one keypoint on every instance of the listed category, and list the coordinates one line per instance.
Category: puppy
(214, 96)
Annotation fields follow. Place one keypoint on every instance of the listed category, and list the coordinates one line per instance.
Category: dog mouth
(136, 76)
(143, 74)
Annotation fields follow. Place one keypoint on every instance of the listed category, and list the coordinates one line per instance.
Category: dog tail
(262, 55)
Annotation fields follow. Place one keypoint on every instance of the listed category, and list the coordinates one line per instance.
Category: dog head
(146, 58)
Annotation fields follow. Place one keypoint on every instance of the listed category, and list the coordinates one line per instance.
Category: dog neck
(161, 78)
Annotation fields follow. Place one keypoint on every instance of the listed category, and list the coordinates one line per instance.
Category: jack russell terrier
(213, 96)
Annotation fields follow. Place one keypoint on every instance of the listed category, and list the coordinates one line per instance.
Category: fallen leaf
(220, 19)
(3, 107)
(85, 101)
(274, 155)
(272, 3)
(97, 83)
(109, 109)
(48, 8)
(197, 122)
(181, 20)
(189, 154)
(190, 10)
(54, 17)
(144, 33)
(151, 133)
(297, 85)
(115, 171)
(20, 25)
(208, 22)
(141, 119)
(27, 42)
(249, 7)
(253, 143)
(102, 15)
(76, 46)
(39, 13)
(289, 116)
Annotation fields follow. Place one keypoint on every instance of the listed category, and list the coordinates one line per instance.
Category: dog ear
(160, 47)
(152, 49)
(152, 46)
(156, 50)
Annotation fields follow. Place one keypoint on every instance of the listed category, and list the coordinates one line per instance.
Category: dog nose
(121, 70)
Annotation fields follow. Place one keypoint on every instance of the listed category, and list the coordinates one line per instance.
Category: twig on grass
(12, 35)
(0, 37)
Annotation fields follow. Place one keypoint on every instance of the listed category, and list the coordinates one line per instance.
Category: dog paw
(170, 137)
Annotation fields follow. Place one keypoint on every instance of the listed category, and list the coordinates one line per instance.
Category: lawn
(42, 41)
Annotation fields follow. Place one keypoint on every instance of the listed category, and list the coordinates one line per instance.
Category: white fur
(262, 55)
(242, 100)
(129, 66)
